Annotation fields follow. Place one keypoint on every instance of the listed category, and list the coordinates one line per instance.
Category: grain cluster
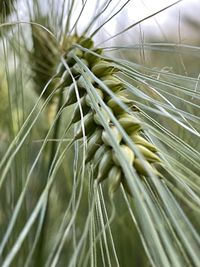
(99, 151)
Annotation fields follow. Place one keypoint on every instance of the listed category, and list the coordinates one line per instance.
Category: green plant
(5, 7)
(115, 124)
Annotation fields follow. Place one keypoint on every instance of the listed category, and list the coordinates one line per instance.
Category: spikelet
(88, 99)
(114, 179)
(115, 133)
(102, 68)
(93, 144)
(44, 58)
(77, 114)
(139, 140)
(129, 123)
(71, 97)
(100, 149)
(105, 114)
(86, 42)
(70, 56)
(116, 108)
(88, 123)
(76, 69)
(92, 58)
(139, 167)
(6, 7)
(148, 154)
(105, 165)
(112, 83)
(127, 154)
(99, 153)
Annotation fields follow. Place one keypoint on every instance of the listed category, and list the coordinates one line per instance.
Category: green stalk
(44, 212)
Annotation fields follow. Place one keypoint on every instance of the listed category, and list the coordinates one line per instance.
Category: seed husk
(128, 154)
(76, 69)
(122, 93)
(88, 125)
(104, 166)
(91, 58)
(129, 123)
(115, 133)
(102, 68)
(139, 167)
(125, 185)
(88, 99)
(116, 108)
(86, 42)
(112, 83)
(93, 144)
(66, 79)
(148, 154)
(73, 52)
(76, 114)
(139, 140)
(98, 120)
(71, 95)
(114, 178)
(99, 153)
(81, 82)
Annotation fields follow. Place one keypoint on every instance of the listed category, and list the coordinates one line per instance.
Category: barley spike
(100, 150)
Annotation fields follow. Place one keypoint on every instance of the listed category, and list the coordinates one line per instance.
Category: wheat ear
(99, 149)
